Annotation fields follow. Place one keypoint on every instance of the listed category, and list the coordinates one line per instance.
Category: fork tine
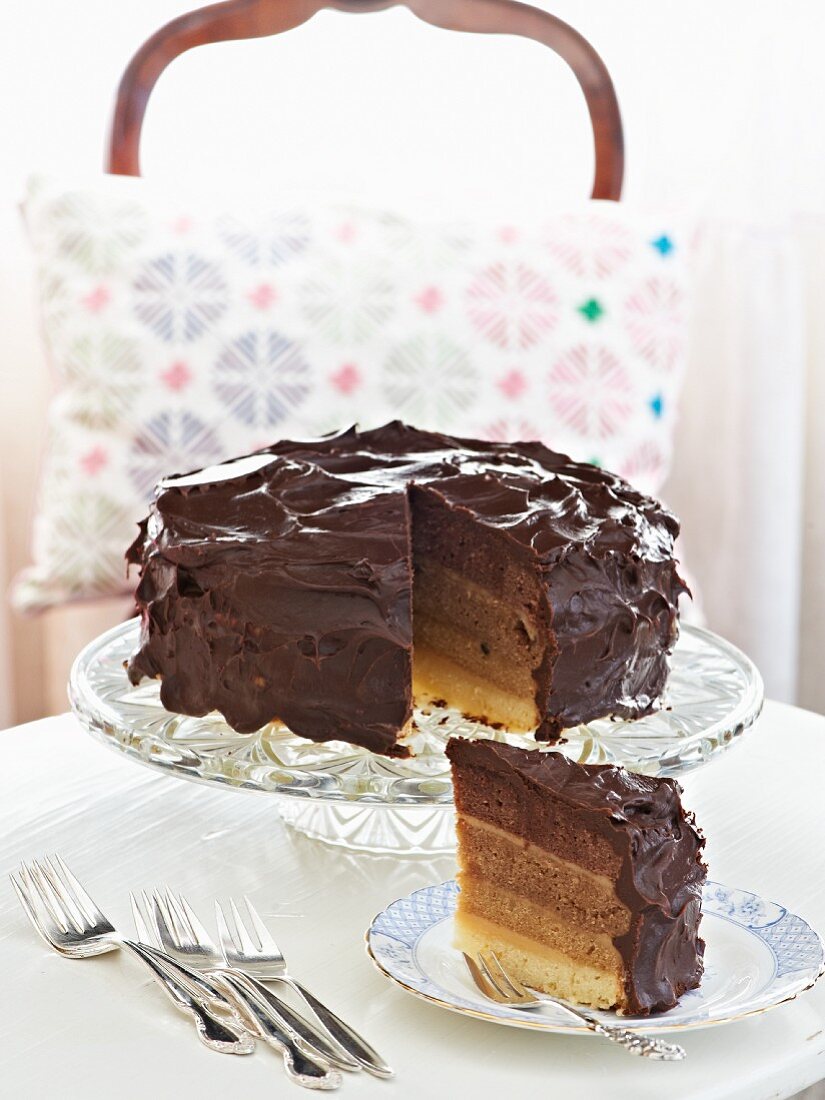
(510, 983)
(69, 903)
(66, 893)
(178, 917)
(247, 945)
(139, 921)
(265, 940)
(480, 978)
(36, 898)
(148, 910)
(226, 934)
(488, 973)
(163, 923)
(61, 914)
(39, 920)
(25, 900)
(92, 911)
(199, 932)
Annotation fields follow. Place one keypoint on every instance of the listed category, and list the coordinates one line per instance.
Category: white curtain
(749, 445)
(6, 682)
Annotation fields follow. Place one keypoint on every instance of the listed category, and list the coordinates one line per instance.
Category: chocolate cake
(585, 880)
(313, 582)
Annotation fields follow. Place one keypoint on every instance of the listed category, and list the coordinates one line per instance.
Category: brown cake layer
(601, 867)
(295, 584)
(478, 613)
(494, 856)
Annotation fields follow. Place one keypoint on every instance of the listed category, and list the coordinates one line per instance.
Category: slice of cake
(585, 880)
(324, 583)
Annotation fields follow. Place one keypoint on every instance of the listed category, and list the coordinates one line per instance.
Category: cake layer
(574, 894)
(540, 967)
(490, 635)
(551, 926)
(438, 679)
(520, 811)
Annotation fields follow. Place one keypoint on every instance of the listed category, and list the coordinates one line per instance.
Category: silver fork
(68, 920)
(499, 986)
(257, 953)
(170, 922)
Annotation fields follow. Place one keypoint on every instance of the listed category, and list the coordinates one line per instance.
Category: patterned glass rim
(715, 694)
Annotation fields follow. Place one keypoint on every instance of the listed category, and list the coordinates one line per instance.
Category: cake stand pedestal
(348, 796)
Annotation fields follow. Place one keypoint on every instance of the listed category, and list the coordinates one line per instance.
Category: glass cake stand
(346, 795)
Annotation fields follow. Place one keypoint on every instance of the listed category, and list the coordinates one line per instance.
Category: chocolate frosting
(657, 848)
(279, 584)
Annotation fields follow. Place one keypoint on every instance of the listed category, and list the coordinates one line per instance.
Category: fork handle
(635, 1042)
(300, 1067)
(342, 1033)
(214, 1033)
(306, 1036)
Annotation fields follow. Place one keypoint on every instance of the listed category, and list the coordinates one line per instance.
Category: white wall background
(722, 102)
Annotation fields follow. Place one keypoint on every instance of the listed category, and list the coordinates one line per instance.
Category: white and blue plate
(757, 956)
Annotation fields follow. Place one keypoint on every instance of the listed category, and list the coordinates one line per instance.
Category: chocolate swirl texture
(650, 844)
(279, 585)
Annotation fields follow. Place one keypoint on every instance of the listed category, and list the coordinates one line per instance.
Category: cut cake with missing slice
(327, 583)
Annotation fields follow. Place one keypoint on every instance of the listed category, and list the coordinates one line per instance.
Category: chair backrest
(236, 19)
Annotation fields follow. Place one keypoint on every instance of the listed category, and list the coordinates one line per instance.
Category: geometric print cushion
(182, 333)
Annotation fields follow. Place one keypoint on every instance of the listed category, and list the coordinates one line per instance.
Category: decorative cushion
(181, 334)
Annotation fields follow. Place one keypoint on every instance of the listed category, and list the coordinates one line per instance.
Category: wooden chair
(235, 19)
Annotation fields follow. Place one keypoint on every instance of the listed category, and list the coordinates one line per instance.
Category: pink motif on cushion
(591, 245)
(512, 305)
(263, 296)
(177, 376)
(94, 461)
(346, 232)
(512, 384)
(643, 466)
(655, 321)
(96, 299)
(500, 431)
(430, 299)
(346, 379)
(591, 391)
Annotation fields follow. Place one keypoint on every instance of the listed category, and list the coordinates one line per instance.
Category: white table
(100, 1029)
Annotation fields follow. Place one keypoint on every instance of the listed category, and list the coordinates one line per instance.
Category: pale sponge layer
(537, 966)
(436, 677)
